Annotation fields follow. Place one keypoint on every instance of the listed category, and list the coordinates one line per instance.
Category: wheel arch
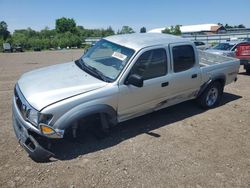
(221, 78)
(81, 112)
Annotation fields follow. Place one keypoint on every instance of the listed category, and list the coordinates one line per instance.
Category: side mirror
(135, 80)
(85, 51)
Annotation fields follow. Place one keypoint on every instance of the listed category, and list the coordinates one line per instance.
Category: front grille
(21, 103)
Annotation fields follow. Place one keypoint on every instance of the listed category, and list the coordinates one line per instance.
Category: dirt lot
(181, 146)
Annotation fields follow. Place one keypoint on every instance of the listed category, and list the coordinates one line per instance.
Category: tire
(212, 95)
(91, 124)
(248, 71)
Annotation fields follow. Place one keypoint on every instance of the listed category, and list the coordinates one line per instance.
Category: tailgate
(243, 51)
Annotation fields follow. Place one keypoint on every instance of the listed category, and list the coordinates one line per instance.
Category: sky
(37, 14)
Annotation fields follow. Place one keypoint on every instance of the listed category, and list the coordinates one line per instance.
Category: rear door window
(183, 57)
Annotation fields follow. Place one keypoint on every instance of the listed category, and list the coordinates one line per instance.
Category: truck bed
(213, 65)
(207, 59)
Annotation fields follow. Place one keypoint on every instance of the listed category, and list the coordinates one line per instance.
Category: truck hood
(48, 85)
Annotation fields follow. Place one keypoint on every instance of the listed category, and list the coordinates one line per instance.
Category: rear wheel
(212, 95)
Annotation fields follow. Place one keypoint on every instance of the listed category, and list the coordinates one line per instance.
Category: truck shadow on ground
(66, 150)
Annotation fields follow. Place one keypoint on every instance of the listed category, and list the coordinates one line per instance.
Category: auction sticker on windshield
(119, 56)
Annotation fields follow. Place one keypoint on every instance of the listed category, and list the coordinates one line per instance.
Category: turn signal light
(46, 129)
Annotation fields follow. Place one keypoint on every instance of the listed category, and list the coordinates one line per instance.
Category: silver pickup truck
(121, 77)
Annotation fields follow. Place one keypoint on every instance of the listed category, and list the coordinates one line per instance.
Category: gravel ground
(181, 146)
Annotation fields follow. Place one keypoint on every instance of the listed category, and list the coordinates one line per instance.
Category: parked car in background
(37, 49)
(225, 48)
(7, 47)
(243, 53)
(201, 45)
(246, 39)
(17, 49)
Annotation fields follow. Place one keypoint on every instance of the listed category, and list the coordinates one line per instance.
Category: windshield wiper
(80, 64)
(93, 70)
(98, 73)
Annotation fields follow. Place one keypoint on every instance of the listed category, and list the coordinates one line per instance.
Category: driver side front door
(152, 65)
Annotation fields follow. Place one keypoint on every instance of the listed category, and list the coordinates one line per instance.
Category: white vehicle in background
(201, 45)
(7, 47)
(225, 48)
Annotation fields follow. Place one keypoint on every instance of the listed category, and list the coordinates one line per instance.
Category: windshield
(107, 59)
(223, 46)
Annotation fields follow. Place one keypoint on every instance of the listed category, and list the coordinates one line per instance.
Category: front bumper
(23, 132)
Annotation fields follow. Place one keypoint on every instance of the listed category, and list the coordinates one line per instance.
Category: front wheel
(212, 95)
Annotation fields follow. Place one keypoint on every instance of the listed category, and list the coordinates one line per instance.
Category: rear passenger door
(185, 71)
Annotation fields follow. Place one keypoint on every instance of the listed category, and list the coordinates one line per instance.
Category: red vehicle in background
(243, 53)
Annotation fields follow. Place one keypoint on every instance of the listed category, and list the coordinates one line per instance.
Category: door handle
(164, 84)
(194, 76)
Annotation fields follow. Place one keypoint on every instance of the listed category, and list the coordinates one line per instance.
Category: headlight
(36, 117)
(33, 116)
(45, 118)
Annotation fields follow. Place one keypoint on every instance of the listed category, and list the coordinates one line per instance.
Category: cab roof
(138, 41)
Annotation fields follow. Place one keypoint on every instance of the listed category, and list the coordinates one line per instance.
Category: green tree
(64, 40)
(4, 33)
(227, 26)
(19, 38)
(177, 30)
(47, 33)
(85, 33)
(109, 31)
(241, 26)
(1, 42)
(166, 31)
(173, 30)
(143, 30)
(35, 43)
(65, 25)
(126, 30)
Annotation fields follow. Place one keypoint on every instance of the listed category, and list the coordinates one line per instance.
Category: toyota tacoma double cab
(119, 78)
